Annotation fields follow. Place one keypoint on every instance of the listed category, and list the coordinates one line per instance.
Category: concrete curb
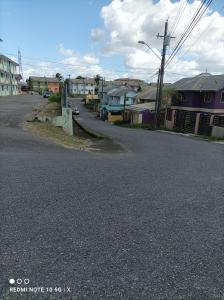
(197, 137)
(90, 131)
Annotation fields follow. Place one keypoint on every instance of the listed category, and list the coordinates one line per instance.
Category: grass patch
(55, 98)
(57, 135)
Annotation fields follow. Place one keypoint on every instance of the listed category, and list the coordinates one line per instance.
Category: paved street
(146, 223)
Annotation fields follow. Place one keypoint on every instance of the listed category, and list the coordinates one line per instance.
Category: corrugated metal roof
(119, 91)
(202, 82)
(142, 106)
(113, 107)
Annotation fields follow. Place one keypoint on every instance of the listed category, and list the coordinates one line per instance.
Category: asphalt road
(147, 223)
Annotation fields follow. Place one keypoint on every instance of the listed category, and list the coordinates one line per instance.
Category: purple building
(198, 105)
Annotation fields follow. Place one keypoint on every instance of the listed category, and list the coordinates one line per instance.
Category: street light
(157, 106)
(144, 43)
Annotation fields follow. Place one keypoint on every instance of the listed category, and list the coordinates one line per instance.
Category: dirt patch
(57, 135)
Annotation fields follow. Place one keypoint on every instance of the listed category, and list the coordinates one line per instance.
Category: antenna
(20, 63)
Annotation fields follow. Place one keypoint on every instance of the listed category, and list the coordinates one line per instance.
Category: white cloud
(67, 52)
(129, 21)
(98, 34)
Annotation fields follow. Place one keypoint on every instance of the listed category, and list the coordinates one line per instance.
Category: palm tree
(97, 79)
(60, 79)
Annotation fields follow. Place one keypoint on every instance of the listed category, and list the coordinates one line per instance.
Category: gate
(204, 124)
(184, 121)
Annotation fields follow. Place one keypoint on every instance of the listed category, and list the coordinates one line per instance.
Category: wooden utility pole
(166, 42)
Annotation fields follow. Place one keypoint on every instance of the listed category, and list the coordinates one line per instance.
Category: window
(180, 97)
(207, 97)
(222, 97)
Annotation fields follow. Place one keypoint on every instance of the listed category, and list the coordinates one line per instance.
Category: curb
(90, 131)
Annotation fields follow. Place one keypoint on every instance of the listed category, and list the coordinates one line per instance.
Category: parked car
(75, 111)
(47, 94)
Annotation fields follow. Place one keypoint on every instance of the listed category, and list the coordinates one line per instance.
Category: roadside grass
(57, 135)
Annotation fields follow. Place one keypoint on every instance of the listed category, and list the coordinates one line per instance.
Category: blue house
(115, 100)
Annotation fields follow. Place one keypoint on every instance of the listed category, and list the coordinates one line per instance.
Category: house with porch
(114, 102)
(198, 105)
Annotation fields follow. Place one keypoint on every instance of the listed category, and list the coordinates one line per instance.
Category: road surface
(146, 223)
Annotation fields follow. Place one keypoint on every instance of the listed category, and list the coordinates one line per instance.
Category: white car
(75, 111)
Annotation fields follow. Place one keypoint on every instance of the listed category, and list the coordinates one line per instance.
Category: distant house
(8, 77)
(141, 113)
(115, 100)
(83, 86)
(148, 94)
(41, 84)
(198, 105)
(135, 84)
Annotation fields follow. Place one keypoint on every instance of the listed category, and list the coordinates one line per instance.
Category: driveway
(143, 224)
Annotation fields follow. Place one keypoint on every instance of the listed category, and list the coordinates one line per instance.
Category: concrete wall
(65, 121)
(217, 131)
(113, 118)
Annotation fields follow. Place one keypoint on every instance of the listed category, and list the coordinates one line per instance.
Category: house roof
(106, 89)
(113, 107)
(85, 81)
(6, 58)
(149, 92)
(43, 79)
(119, 91)
(142, 107)
(201, 82)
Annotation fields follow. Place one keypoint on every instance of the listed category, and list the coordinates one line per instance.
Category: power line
(203, 32)
(197, 17)
(179, 14)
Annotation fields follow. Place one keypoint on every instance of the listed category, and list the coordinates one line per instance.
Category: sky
(89, 37)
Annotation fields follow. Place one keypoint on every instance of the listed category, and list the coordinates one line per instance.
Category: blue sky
(38, 27)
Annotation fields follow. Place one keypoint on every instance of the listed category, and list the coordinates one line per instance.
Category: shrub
(55, 98)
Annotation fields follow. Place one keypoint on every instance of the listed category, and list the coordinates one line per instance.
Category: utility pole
(166, 41)
(20, 63)
(69, 85)
(157, 97)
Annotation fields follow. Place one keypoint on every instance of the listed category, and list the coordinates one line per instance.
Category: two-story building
(42, 84)
(82, 86)
(198, 105)
(114, 102)
(8, 76)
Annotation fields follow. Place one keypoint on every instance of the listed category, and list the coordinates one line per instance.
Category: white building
(82, 86)
(8, 76)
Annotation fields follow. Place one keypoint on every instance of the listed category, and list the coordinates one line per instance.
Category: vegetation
(97, 79)
(59, 77)
(80, 77)
(55, 98)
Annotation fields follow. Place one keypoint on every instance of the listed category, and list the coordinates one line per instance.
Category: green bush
(55, 98)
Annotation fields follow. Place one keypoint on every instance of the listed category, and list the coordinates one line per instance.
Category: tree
(61, 83)
(59, 77)
(80, 77)
(97, 79)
